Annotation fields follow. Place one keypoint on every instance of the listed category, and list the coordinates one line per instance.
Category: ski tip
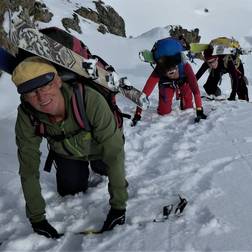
(146, 56)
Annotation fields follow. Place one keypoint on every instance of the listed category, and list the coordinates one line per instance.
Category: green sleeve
(111, 143)
(29, 160)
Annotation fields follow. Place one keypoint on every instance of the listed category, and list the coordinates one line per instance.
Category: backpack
(78, 104)
(71, 78)
(230, 43)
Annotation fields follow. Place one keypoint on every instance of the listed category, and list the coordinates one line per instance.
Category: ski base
(89, 232)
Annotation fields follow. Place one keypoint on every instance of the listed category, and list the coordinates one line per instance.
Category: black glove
(114, 217)
(231, 97)
(200, 115)
(44, 228)
(137, 117)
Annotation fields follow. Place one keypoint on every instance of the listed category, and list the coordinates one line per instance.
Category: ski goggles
(35, 83)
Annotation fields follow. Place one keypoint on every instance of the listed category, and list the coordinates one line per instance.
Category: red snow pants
(166, 96)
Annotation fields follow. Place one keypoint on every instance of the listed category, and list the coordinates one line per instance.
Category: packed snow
(209, 163)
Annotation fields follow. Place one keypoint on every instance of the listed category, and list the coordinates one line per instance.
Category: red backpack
(79, 47)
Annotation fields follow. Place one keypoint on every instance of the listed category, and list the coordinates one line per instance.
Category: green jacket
(104, 142)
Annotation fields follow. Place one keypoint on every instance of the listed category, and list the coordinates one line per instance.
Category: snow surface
(210, 163)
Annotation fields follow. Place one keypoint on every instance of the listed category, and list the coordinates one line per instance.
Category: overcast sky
(143, 15)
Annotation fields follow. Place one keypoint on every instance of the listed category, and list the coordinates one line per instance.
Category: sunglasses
(44, 88)
(46, 79)
(37, 82)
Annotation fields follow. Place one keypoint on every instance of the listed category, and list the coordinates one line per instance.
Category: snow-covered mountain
(210, 163)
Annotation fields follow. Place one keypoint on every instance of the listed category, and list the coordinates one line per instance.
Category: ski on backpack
(222, 50)
(198, 47)
(23, 35)
(146, 56)
(221, 46)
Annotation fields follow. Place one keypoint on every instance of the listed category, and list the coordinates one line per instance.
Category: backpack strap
(49, 161)
(181, 68)
(78, 106)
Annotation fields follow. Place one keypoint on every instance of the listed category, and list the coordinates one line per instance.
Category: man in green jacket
(45, 97)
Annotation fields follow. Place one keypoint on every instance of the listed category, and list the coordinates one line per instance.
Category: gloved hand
(231, 97)
(200, 115)
(114, 217)
(44, 228)
(144, 100)
(136, 118)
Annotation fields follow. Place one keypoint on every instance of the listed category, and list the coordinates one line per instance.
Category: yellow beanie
(32, 73)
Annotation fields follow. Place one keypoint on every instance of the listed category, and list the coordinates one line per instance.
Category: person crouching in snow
(173, 75)
(219, 65)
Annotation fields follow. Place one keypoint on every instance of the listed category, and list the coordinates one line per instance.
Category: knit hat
(32, 73)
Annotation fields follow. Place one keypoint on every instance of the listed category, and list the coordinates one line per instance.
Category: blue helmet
(168, 47)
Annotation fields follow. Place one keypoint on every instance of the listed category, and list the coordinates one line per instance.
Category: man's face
(46, 99)
(213, 63)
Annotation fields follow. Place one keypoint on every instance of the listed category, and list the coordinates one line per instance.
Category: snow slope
(210, 163)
